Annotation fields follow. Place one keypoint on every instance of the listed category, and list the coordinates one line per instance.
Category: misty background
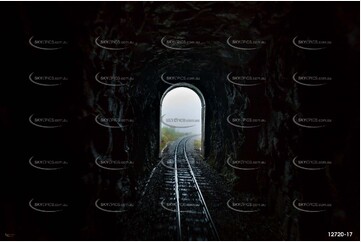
(182, 103)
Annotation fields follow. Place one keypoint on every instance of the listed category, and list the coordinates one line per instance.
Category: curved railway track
(193, 220)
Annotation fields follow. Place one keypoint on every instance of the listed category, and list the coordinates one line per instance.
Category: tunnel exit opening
(182, 113)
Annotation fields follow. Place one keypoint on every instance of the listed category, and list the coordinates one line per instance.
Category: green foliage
(197, 144)
(169, 135)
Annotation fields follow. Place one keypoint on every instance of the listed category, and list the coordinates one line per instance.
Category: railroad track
(192, 217)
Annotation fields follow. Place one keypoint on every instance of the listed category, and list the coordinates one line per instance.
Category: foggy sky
(182, 102)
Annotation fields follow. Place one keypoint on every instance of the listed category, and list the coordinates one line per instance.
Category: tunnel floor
(153, 218)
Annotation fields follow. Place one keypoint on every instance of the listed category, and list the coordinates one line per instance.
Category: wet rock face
(245, 63)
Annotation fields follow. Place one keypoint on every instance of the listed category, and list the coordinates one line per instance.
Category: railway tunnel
(254, 116)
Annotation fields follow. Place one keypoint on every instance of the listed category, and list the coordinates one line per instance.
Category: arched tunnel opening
(182, 112)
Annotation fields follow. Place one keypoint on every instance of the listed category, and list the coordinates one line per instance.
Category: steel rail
(213, 227)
